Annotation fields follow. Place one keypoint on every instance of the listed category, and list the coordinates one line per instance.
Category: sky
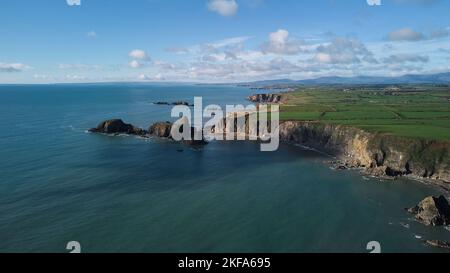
(220, 41)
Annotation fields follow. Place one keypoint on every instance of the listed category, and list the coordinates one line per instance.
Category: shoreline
(376, 155)
(338, 164)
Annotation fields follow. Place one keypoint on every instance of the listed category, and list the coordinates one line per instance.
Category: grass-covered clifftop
(413, 111)
(387, 130)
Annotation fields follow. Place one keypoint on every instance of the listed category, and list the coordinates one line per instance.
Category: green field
(417, 111)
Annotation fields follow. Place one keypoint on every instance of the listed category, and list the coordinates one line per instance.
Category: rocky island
(159, 129)
(432, 211)
(117, 126)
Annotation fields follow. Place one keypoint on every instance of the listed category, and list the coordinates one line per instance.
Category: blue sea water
(126, 194)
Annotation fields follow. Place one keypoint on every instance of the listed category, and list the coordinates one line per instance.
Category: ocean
(59, 183)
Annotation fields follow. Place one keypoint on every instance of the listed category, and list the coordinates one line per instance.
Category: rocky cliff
(378, 154)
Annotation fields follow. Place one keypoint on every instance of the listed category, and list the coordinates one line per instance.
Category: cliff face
(379, 154)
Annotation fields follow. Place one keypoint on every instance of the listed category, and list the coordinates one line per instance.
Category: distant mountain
(406, 79)
(270, 82)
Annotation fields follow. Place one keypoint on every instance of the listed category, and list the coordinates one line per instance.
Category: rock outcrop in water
(379, 154)
(173, 103)
(266, 98)
(159, 129)
(438, 244)
(432, 211)
(117, 126)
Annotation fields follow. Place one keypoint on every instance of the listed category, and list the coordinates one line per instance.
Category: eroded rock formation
(117, 126)
(432, 211)
(160, 129)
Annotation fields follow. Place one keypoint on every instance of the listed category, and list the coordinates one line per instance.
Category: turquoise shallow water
(125, 194)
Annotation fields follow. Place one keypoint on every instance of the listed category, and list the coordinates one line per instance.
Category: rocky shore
(375, 154)
(433, 211)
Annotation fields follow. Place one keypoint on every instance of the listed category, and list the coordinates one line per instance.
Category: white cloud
(323, 58)
(224, 7)
(164, 65)
(405, 58)
(230, 41)
(73, 2)
(13, 67)
(344, 51)
(42, 77)
(279, 37)
(405, 34)
(439, 33)
(79, 66)
(135, 64)
(139, 57)
(157, 77)
(139, 54)
(279, 43)
(74, 77)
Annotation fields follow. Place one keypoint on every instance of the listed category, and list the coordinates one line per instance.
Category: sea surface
(127, 194)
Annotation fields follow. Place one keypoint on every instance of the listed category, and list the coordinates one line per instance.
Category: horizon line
(229, 83)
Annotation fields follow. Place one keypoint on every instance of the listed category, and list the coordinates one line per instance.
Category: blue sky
(219, 40)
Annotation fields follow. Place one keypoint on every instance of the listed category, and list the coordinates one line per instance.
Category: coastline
(353, 148)
(377, 154)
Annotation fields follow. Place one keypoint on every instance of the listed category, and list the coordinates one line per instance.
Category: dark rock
(378, 171)
(160, 129)
(432, 211)
(439, 244)
(181, 103)
(117, 126)
(265, 98)
(173, 103)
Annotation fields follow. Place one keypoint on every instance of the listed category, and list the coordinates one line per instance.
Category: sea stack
(160, 129)
(117, 126)
(432, 211)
